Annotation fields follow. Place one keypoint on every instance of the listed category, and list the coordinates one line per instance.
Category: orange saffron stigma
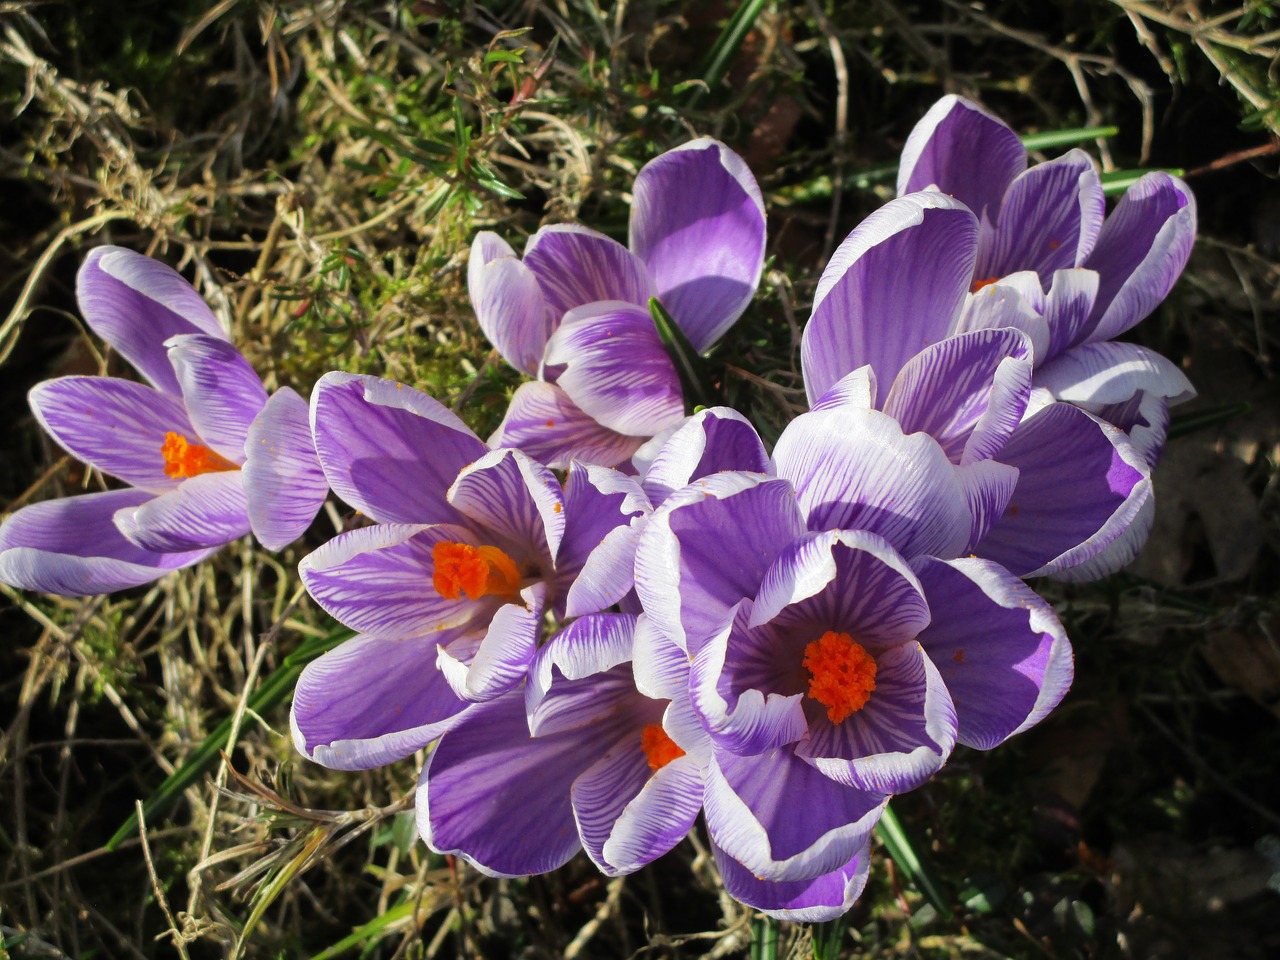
(184, 459)
(659, 749)
(843, 674)
(979, 284)
(476, 571)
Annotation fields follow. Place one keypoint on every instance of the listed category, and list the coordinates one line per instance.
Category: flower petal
(782, 819)
(1110, 373)
(708, 547)
(576, 265)
(372, 701)
(543, 422)
(855, 469)
(117, 426)
(1014, 301)
(698, 223)
(615, 368)
(389, 450)
(221, 392)
(1141, 251)
(710, 441)
(968, 392)
(71, 547)
(822, 898)
(856, 389)
(588, 646)
(604, 514)
(378, 580)
(1000, 648)
(964, 151)
(283, 482)
(208, 510)
(136, 304)
(508, 303)
(503, 658)
(516, 500)
(1049, 219)
(661, 668)
(1080, 484)
(928, 237)
(499, 798)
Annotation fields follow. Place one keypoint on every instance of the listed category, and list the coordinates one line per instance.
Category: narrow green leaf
(694, 381)
(827, 938)
(1066, 138)
(903, 853)
(272, 691)
(722, 51)
(1188, 423)
(502, 56)
(1118, 181)
(764, 938)
(373, 930)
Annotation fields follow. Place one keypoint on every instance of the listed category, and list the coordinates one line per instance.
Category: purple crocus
(1079, 500)
(206, 454)
(448, 587)
(1051, 263)
(574, 311)
(839, 649)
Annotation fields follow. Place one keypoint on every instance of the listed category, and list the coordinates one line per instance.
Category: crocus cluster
(680, 621)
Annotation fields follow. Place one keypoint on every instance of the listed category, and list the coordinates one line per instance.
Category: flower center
(476, 571)
(183, 459)
(659, 749)
(843, 674)
(979, 284)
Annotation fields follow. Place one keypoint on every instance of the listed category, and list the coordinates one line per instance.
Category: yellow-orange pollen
(659, 749)
(979, 284)
(183, 459)
(459, 568)
(842, 674)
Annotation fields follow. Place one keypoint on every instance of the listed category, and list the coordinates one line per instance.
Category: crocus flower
(876, 342)
(206, 454)
(448, 587)
(838, 648)
(574, 311)
(1050, 262)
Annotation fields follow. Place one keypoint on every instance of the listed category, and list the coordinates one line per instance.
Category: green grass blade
(1188, 423)
(1051, 139)
(827, 938)
(1118, 181)
(764, 939)
(375, 929)
(694, 380)
(272, 691)
(716, 65)
(903, 853)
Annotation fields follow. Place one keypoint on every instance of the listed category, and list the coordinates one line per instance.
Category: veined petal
(208, 510)
(661, 668)
(1000, 649)
(390, 451)
(967, 392)
(988, 488)
(1107, 373)
(604, 514)
(548, 426)
(782, 819)
(800, 901)
(708, 547)
(615, 368)
(576, 265)
(503, 658)
(71, 547)
(508, 303)
(1141, 251)
(629, 815)
(855, 469)
(587, 647)
(1049, 219)
(515, 499)
(861, 296)
(1080, 484)
(964, 151)
(283, 482)
(1014, 301)
(1068, 309)
(857, 389)
(378, 580)
(372, 701)
(698, 223)
(117, 426)
(710, 441)
(136, 304)
(500, 799)
(221, 392)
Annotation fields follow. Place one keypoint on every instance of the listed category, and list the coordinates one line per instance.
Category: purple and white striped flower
(1051, 263)
(838, 650)
(448, 588)
(1080, 500)
(574, 311)
(208, 456)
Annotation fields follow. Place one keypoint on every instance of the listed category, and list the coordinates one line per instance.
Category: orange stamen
(184, 459)
(476, 571)
(843, 674)
(979, 284)
(659, 748)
